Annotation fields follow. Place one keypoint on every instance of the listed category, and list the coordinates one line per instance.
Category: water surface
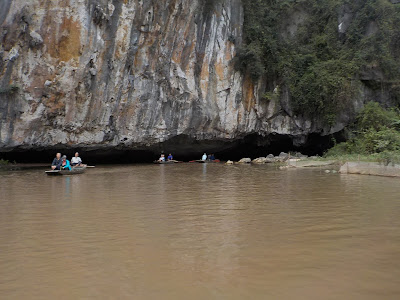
(197, 231)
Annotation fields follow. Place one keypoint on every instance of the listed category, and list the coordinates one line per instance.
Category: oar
(90, 166)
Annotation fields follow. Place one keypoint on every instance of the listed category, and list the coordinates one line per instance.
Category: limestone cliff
(132, 74)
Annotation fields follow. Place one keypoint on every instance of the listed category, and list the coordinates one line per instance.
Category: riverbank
(371, 168)
(375, 168)
(361, 165)
(351, 164)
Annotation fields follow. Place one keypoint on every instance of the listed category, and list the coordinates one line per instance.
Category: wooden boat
(166, 162)
(206, 161)
(74, 171)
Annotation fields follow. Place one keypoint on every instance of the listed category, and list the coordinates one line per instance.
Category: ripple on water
(209, 231)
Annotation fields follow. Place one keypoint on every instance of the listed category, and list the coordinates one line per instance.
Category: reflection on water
(199, 231)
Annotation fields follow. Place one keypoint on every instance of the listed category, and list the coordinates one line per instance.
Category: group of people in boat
(62, 163)
(210, 157)
(169, 158)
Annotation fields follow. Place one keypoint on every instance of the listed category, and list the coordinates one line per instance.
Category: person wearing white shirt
(76, 160)
(204, 157)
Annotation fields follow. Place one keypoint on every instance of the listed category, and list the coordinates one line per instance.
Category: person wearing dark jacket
(57, 162)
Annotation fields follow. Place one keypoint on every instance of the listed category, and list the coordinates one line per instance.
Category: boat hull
(74, 171)
(166, 162)
(206, 161)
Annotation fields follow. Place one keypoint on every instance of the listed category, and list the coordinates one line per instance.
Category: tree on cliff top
(297, 45)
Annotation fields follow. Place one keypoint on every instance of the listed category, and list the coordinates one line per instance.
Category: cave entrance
(185, 149)
(254, 146)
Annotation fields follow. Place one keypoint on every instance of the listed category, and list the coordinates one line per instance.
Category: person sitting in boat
(170, 157)
(76, 160)
(204, 157)
(212, 157)
(162, 158)
(57, 161)
(65, 165)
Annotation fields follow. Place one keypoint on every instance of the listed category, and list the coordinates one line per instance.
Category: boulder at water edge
(260, 160)
(245, 160)
(283, 155)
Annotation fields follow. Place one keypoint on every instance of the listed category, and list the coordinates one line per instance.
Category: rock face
(131, 74)
(245, 160)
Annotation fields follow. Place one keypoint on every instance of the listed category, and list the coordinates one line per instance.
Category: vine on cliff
(317, 64)
(375, 135)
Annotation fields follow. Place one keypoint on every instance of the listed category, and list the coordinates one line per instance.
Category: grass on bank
(3, 162)
(375, 136)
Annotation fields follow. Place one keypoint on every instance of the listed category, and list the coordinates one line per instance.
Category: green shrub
(376, 135)
(318, 66)
(3, 162)
(248, 60)
(374, 116)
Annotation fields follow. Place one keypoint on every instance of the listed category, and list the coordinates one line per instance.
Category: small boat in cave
(166, 162)
(73, 171)
(205, 161)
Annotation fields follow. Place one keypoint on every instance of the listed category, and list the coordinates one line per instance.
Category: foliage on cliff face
(376, 132)
(319, 61)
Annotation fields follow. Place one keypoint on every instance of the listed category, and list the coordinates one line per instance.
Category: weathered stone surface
(282, 157)
(264, 160)
(344, 18)
(134, 74)
(245, 161)
(299, 155)
(35, 39)
(260, 160)
(311, 163)
(370, 168)
(283, 154)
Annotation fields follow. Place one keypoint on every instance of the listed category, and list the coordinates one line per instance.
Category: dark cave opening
(184, 149)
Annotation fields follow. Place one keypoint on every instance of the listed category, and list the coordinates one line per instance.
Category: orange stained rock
(248, 93)
(219, 69)
(205, 74)
(63, 44)
(54, 103)
(38, 76)
(120, 49)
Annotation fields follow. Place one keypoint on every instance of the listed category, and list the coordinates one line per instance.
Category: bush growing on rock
(376, 133)
(321, 52)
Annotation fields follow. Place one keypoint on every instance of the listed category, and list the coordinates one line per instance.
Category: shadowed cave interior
(183, 148)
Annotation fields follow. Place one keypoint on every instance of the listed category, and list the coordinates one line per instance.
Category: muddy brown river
(199, 231)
